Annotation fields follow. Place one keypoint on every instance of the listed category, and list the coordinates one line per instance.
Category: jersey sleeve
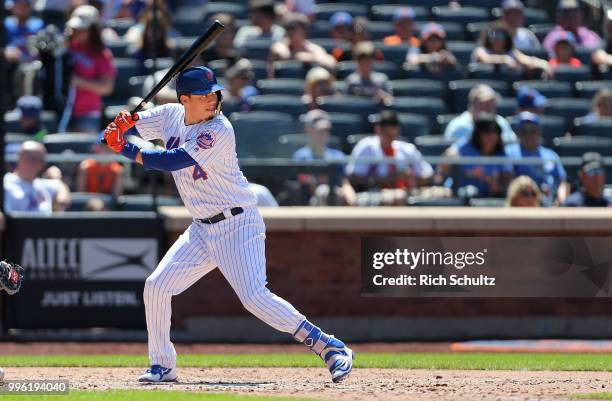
(212, 143)
(150, 124)
(356, 166)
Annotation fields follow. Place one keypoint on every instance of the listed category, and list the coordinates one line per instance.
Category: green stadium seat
(551, 127)
(413, 125)
(395, 54)
(461, 50)
(491, 72)
(289, 69)
(568, 108)
(379, 29)
(446, 75)
(345, 124)
(506, 106)
(257, 49)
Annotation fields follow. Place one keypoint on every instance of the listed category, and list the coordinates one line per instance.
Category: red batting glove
(114, 138)
(124, 120)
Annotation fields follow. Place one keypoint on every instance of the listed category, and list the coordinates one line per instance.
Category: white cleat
(158, 374)
(1, 375)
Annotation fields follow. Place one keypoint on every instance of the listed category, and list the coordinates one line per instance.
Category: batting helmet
(197, 81)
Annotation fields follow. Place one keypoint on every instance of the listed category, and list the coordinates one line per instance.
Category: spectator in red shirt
(94, 72)
(564, 51)
(403, 22)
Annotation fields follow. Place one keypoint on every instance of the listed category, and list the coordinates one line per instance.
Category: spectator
(393, 181)
(25, 192)
(481, 99)
(602, 107)
(319, 82)
(491, 180)
(564, 51)
(550, 175)
(306, 7)
(359, 33)
(403, 23)
(18, 27)
(528, 99)
(297, 47)
(262, 16)
(592, 176)
(341, 29)
(365, 81)
(317, 125)
(263, 195)
(496, 47)
(93, 73)
(100, 177)
(147, 40)
(30, 121)
(523, 192)
(513, 15)
(602, 58)
(569, 18)
(223, 47)
(239, 78)
(107, 34)
(432, 53)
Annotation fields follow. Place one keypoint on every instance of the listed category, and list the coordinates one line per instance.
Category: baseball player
(11, 279)
(227, 230)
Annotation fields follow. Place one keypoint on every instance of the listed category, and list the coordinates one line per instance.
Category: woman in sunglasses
(523, 192)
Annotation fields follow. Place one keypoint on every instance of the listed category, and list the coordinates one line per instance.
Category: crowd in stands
(503, 90)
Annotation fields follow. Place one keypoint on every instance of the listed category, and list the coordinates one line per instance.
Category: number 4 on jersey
(199, 173)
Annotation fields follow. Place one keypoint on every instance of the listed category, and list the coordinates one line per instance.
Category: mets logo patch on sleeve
(206, 140)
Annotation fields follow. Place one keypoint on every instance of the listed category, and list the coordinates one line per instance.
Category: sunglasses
(527, 193)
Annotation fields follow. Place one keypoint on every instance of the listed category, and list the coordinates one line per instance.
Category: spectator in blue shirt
(19, 26)
(239, 87)
(550, 176)
(317, 125)
(491, 180)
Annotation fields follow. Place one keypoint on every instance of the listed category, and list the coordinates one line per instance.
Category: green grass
(138, 395)
(593, 396)
(477, 361)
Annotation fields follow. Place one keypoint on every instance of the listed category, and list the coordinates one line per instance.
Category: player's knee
(152, 287)
(254, 300)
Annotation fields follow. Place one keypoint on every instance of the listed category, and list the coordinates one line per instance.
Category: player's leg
(238, 247)
(184, 264)
(1, 375)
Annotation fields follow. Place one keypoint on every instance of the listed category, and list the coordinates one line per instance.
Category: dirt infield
(364, 384)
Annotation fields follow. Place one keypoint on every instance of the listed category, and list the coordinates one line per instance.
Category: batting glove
(114, 137)
(125, 120)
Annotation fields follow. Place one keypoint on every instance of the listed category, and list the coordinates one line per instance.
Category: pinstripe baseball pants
(237, 246)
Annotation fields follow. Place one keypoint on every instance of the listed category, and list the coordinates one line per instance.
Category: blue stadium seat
(384, 12)
(289, 143)
(506, 106)
(11, 120)
(487, 202)
(345, 124)
(330, 44)
(432, 145)
(551, 127)
(428, 3)
(463, 15)
(419, 88)
(568, 108)
(584, 55)
(120, 25)
(348, 104)
(454, 31)
(489, 71)
(473, 30)
(550, 89)
(446, 75)
(78, 201)
(73, 142)
(289, 69)
(572, 74)
(414, 125)
(541, 30)
(601, 128)
(462, 50)
(379, 29)
(257, 48)
(257, 130)
(282, 103)
(326, 10)
(460, 89)
(395, 54)
(532, 15)
(576, 146)
(144, 202)
(435, 202)
(345, 68)
(588, 89)
(442, 122)
(126, 68)
(281, 86)
(319, 30)
(119, 49)
(426, 106)
(480, 3)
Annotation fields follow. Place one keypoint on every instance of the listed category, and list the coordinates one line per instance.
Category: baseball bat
(186, 58)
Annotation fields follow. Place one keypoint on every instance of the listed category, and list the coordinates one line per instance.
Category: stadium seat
(330, 44)
(319, 30)
(442, 122)
(144, 202)
(584, 54)
(325, 10)
(11, 120)
(182, 43)
(348, 104)
(446, 75)
(345, 68)
(536, 52)
(551, 128)
(428, 3)
(480, 3)
(491, 72)
(487, 202)
(379, 29)
(72, 142)
(352, 140)
(572, 74)
(506, 106)
(454, 31)
(419, 88)
(602, 128)
(473, 30)
(460, 89)
(78, 201)
(15, 137)
(395, 54)
(289, 69)
(568, 108)
(260, 69)
(257, 130)
(435, 202)
(432, 145)
(126, 68)
(576, 146)
(281, 86)
(282, 103)
(541, 30)
(588, 89)
(110, 112)
(532, 15)
(289, 143)
(345, 124)
(237, 10)
(462, 16)
(426, 106)
(413, 125)
(550, 89)
(462, 50)
(257, 49)
(231, 105)
(384, 12)
(118, 48)
(120, 25)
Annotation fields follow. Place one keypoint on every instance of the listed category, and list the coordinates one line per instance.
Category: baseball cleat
(338, 358)
(158, 374)
(1, 375)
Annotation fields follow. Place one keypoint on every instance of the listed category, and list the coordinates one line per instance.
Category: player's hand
(114, 137)
(124, 120)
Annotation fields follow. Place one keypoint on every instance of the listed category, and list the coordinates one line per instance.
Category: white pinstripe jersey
(216, 182)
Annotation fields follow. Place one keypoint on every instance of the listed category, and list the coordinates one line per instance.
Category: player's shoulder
(222, 125)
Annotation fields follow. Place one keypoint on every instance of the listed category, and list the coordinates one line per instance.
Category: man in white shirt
(262, 16)
(395, 180)
(514, 16)
(25, 192)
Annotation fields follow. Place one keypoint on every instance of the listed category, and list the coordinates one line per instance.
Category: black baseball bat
(194, 51)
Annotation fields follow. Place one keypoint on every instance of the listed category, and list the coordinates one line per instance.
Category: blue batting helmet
(197, 81)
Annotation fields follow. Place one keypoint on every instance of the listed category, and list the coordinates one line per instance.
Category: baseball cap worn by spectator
(432, 29)
(241, 67)
(317, 119)
(364, 49)
(527, 117)
(83, 17)
(512, 5)
(592, 164)
(341, 18)
(528, 98)
(29, 107)
(403, 13)
(386, 118)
